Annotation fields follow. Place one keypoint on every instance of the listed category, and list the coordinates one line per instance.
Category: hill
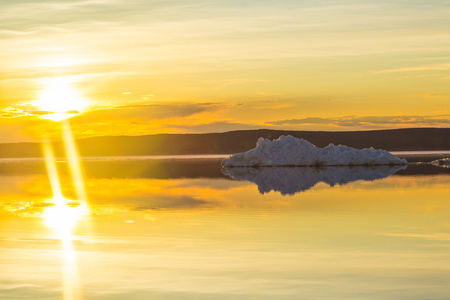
(414, 139)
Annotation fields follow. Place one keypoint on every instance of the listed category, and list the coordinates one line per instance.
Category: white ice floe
(443, 162)
(289, 181)
(291, 151)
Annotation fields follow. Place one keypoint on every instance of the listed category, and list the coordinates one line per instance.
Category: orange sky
(142, 67)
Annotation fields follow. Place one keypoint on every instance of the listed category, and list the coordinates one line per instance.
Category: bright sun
(59, 100)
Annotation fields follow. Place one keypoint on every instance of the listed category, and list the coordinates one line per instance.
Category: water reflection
(289, 181)
(62, 216)
(217, 238)
(158, 169)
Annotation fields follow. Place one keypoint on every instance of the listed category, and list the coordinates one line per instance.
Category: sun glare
(64, 215)
(59, 100)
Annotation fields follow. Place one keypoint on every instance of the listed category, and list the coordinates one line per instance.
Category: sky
(145, 67)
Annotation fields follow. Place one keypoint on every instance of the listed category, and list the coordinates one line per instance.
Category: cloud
(12, 112)
(139, 113)
(432, 236)
(425, 95)
(350, 121)
(218, 126)
(20, 111)
(230, 33)
(434, 67)
(270, 94)
(146, 111)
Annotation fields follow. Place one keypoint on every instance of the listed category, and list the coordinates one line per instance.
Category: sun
(59, 100)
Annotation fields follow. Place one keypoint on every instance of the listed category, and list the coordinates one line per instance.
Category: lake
(182, 229)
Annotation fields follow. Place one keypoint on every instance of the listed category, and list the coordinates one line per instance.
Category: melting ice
(444, 162)
(291, 151)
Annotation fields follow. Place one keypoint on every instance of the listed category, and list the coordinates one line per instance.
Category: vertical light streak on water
(63, 217)
(71, 284)
(74, 161)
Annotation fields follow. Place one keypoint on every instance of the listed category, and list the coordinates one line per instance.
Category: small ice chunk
(291, 151)
(443, 162)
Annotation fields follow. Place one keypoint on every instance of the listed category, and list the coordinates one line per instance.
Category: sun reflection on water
(64, 215)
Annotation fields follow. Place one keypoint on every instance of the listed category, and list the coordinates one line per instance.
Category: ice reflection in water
(291, 180)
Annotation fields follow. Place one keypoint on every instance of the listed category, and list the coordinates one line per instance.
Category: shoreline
(410, 156)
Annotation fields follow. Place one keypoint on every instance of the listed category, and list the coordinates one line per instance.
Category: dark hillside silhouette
(239, 141)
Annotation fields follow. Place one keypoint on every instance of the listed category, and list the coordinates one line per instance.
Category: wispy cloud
(229, 33)
(20, 111)
(425, 95)
(147, 111)
(432, 236)
(367, 121)
(141, 111)
(434, 67)
(218, 126)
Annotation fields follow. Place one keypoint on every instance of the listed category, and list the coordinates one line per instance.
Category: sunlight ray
(74, 161)
(52, 169)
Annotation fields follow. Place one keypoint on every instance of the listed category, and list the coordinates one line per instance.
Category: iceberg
(289, 151)
(289, 181)
(443, 162)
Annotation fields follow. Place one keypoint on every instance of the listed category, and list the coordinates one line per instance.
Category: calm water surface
(181, 229)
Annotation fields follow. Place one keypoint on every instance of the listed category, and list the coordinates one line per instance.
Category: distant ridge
(411, 139)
